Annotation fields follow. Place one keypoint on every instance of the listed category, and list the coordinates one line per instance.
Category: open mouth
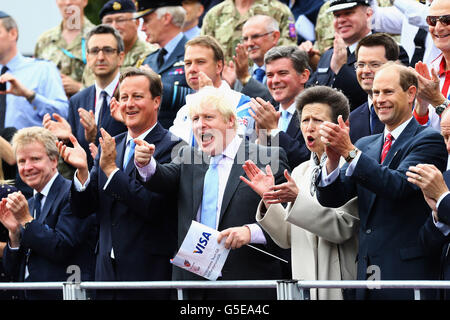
(207, 137)
(441, 36)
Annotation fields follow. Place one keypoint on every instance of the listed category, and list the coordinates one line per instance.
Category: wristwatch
(440, 108)
(352, 155)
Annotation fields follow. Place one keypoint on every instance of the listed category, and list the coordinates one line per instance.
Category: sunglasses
(432, 20)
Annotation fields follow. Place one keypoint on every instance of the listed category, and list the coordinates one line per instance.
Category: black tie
(419, 41)
(103, 108)
(3, 102)
(37, 204)
(160, 58)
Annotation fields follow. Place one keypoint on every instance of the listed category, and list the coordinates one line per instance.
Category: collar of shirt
(45, 191)
(110, 88)
(352, 47)
(442, 67)
(15, 62)
(255, 66)
(369, 102)
(170, 46)
(142, 136)
(397, 131)
(232, 148)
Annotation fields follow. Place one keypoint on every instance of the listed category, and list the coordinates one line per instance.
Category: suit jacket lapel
(120, 148)
(233, 179)
(176, 55)
(51, 198)
(398, 144)
(293, 127)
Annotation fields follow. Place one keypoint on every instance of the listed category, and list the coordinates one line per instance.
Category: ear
(276, 36)
(121, 57)
(157, 102)
(412, 92)
(219, 67)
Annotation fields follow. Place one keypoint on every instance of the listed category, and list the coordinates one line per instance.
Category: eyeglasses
(372, 65)
(255, 36)
(117, 21)
(108, 51)
(432, 20)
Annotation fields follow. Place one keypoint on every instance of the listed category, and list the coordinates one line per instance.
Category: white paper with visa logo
(200, 253)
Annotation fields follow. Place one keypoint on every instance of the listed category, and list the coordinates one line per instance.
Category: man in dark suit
(434, 185)
(45, 237)
(287, 71)
(392, 210)
(163, 24)
(89, 109)
(230, 208)
(371, 53)
(137, 235)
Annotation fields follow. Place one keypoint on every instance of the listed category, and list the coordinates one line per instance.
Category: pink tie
(387, 145)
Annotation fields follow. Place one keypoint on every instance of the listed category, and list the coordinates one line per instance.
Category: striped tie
(387, 145)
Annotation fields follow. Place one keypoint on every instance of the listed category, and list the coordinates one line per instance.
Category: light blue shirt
(170, 46)
(192, 33)
(43, 78)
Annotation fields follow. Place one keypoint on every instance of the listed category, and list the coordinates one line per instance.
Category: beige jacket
(324, 241)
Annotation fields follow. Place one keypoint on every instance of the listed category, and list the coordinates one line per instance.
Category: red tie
(387, 145)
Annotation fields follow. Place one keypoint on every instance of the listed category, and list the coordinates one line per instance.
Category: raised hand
(264, 113)
(339, 57)
(70, 86)
(282, 193)
(114, 108)
(108, 156)
(18, 205)
(93, 149)
(260, 181)
(75, 156)
(60, 128)
(10, 222)
(143, 152)
(87, 120)
(429, 90)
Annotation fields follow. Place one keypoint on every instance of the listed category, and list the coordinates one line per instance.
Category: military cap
(145, 7)
(4, 15)
(336, 5)
(117, 6)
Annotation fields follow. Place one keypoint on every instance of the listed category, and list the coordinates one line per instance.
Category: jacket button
(368, 231)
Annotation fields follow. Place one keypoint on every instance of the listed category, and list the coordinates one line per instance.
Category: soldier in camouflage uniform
(119, 14)
(224, 22)
(325, 30)
(70, 58)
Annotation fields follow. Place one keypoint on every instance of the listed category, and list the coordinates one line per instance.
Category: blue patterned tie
(284, 120)
(130, 153)
(37, 204)
(259, 74)
(210, 193)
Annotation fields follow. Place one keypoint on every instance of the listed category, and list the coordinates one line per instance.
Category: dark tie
(387, 145)
(130, 153)
(37, 205)
(103, 108)
(373, 119)
(419, 42)
(259, 74)
(160, 57)
(3, 102)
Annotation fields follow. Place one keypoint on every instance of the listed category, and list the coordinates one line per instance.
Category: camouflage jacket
(50, 46)
(224, 22)
(133, 58)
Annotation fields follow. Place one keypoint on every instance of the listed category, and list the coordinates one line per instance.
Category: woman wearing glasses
(323, 241)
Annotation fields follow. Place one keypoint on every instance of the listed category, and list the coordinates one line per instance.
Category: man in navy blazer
(287, 71)
(435, 188)
(163, 24)
(89, 109)
(45, 238)
(371, 53)
(391, 209)
(137, 235)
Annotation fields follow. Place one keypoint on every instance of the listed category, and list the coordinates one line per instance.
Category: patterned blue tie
(210, 193)
(259, 74)
(284, 120)
(130, 154)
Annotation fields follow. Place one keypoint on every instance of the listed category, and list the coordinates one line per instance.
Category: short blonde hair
(212, 97)
(36, 134)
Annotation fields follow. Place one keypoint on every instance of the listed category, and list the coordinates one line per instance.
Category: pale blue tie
(210, 193)
(130, 153)
(284, 120)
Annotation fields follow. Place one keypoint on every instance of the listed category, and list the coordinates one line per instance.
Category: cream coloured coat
(323, 241)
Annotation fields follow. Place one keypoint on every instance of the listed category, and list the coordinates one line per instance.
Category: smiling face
(34, 165)
(257, 41)
(283, 82)
(352, 24)
(212, 130)
(440, 33)
(312, 116)
(137, 106)
(374, 56)
(392, 104)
